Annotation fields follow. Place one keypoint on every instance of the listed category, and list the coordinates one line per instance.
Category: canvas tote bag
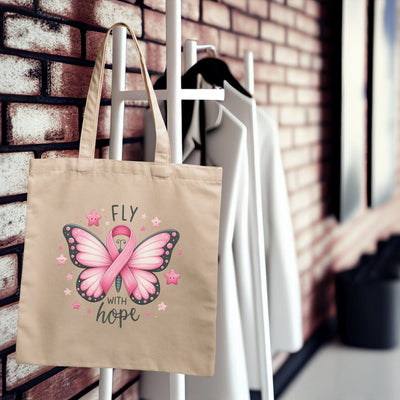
(120, 263)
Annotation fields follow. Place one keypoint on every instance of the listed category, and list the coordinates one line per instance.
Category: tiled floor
(338, 372)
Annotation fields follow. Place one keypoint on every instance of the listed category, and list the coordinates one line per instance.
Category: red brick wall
(47, 50)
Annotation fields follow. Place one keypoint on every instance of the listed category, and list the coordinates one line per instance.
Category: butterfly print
(105, 264)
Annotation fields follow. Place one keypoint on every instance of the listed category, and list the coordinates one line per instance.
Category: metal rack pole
(174, 123)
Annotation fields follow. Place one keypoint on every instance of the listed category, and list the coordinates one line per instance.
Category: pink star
(142, 228)
(156, 222)
(69, 277)
(162, 306)
(172, 277)
(76, 305)
(67, 292)
(89, 310)
(61, 260)
(93, 218)
(144, 216)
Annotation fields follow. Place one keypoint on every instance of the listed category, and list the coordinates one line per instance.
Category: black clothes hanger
(215, 72)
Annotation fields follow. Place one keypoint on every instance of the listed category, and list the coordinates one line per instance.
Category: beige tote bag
(120, 263)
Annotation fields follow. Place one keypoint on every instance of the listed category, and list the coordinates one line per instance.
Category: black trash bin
(368, 300)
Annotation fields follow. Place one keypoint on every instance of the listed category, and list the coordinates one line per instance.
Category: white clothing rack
(174, 95)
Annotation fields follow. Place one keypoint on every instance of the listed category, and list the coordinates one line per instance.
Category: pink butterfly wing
(87, 251)
(151, 255)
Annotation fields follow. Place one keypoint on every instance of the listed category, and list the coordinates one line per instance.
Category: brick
(306, 197)
(242, 23)
(133, 122)
(313, 8)
(309, 174)
(285, 138)
(12, 224)
(304, 238)
(299, 4)
(294, 158)
(282, 14)
(18, 374)
(18, 3)
(60, 154)
(286, 56)
(93, 41)
(34, 34)
(236, 67)
(121, 377)
(216, 14)
(292, 180)
(304, 42)
(290, 115)
(318, 63)
(262, 51)
(68, 80)
(304, 261)
(8, 325)
(273, 32)
(20, 75)
(102, 13)
(242, 4)
(258, 7)
(317, 115)
(190, 9)
(302, 77)
(280, 94)
(156, 4)
(131, 393)
(307, 25)
(305, 60)
(154, 25)
(228, 44)
(132, 152)
(63, 385)
(14, 169)
(261, 93)
(8, 275)
(306, 283)
(306, 217)
(201, 33)
(309, 96)
(154, 54)
(42, 123)
(268, 72)
(305, 135)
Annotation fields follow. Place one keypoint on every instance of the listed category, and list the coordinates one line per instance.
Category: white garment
(253, 292)
(283, 278)
(227, 149)
(280, 253)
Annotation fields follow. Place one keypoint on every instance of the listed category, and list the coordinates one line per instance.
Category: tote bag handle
(91, 115)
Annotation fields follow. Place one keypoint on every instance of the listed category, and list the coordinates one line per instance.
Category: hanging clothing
(283, 277)
(251, 290)
(227, 149)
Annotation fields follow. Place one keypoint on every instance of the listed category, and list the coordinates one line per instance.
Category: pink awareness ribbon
(119, 260)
